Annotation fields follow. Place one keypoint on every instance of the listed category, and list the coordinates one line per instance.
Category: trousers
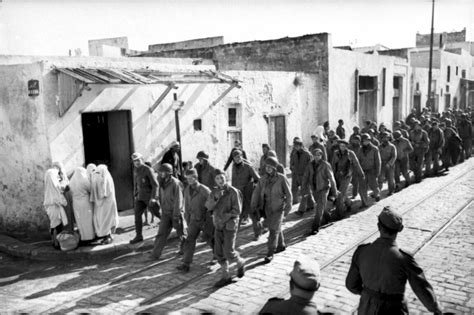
(167, 223)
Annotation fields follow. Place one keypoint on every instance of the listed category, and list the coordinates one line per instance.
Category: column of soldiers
(200, 200)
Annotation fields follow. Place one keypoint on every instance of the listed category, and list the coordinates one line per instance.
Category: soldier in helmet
(370, 163)
(172, 206)
(273, 196)
(379, 272)
(421, 142)
(404, 148)
(225, 203)
(305, 280)
(195, 197)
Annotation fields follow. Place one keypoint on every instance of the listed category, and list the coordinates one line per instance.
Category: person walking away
(106, 218)
(345, 163)
(404, 149)
(195, 197)
(172, 207)
(171, 157)
(355, 146)
(145, 192)
(319, 179)
(435, 150)
(380, 270)
(273, 195)
(452, 144)
(225, 203)
(421, 142)
(340, 131)
(54, 203)
(244, 178)
(80, 186)
(370, 163)
(388, 157)
(355, 132)
(298, 164)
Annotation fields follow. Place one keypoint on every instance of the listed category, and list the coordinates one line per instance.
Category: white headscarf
(102, 183)
(63, 180)
(90, 170)
(320, 133)
(52, 189)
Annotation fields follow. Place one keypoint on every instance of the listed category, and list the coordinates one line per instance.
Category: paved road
(133, 283)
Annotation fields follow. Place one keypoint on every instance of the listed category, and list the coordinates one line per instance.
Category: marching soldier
(436, 137)
(317, 145)
(273, 196)
(379, 272)
(225, 203)
(172, 206)
(265, 149)
(146, 187)
(195, 197)
(404, 149)
(370, 163)
(465, 132)
(421, 142)
(388, 156)
(319, 178)
(244, 178)
(354, 145)
(300, 159)
(345, 164)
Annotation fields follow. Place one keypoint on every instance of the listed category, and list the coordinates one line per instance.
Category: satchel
(68, 240)
(155, 209)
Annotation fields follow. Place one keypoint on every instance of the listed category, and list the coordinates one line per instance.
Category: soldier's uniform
(379, 272)
(388, 156)
(299, 160)
(370, 162)
(404, 148)
(436, 136)
(421, 143)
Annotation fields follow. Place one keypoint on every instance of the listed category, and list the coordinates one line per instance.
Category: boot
(137, 239)
(226, 279)
(240, 268)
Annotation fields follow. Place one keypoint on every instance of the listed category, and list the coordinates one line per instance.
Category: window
(197, 123)
(447, 88)
(463, 74)
(417, 86)
(449, 73)
(457, 68)
(384, 73)
(232, 117)
(367, 83)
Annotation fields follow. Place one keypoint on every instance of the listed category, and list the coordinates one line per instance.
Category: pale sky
(52, 27)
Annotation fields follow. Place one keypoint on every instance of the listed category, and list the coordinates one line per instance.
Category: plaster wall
(342, 67)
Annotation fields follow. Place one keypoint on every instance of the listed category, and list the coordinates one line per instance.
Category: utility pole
(177, 105)
(429, 101)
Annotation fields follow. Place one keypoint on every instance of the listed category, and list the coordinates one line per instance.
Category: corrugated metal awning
(145, 76)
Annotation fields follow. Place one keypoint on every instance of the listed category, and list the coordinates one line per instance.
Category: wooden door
(367, 107)
(277, 135)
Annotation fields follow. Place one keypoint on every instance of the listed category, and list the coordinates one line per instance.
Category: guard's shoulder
(362, 246)
(274, 299)
(406, 253)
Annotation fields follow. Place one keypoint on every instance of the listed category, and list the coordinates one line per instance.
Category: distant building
(188, 44)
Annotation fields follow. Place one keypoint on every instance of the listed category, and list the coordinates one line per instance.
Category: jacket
(379, 272)
(388, 153)
(171, 197)
(436, 139)
(420, 140)
(195, 201)
(370, 159)
(318, 177)
(243, 175)
(344, 164)
(281, 197)
(404, 148)
(146, 185)
(206, 174)
(299, 161)
(226, 206)
(465, 129)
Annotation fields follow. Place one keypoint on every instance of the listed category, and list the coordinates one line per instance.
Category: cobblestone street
(438, 218)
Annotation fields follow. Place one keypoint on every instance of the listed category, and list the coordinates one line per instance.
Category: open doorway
(108, 140)
(367, 99)
(397, 97)
(277, 125)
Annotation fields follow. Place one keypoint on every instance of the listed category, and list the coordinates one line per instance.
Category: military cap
(365, 136)
(356, 137)
(317, 151)
(272, 162)
(342, 142)
(265, 145)
(191, 172)
(271, 153)
(306, 274)
(416, 122)
(372, 130)
(202, 155)
(136, 156)
(236, 153)
(166, 168)
(397, 124)
(391, 219)
(397, 134)
(384, 134)
(174, 144)
(218, 172)
(297, 140)
(355, 127)
(314, 136)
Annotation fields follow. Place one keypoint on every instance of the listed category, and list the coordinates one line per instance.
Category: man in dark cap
(340, 131)
(344, 164)
(273, 196)
(146, 187)
(244, 178)
(404, 148)
(305, 280)
(195, 197)
(237, 146)
(421, 143)
(172, 206)
(319, 179)
(388, 156)
(265, 149)
(380, 270)
(318, 145)
(300, 159)
(225, 203)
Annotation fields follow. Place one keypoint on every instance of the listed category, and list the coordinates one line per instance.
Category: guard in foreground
(379, 272)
